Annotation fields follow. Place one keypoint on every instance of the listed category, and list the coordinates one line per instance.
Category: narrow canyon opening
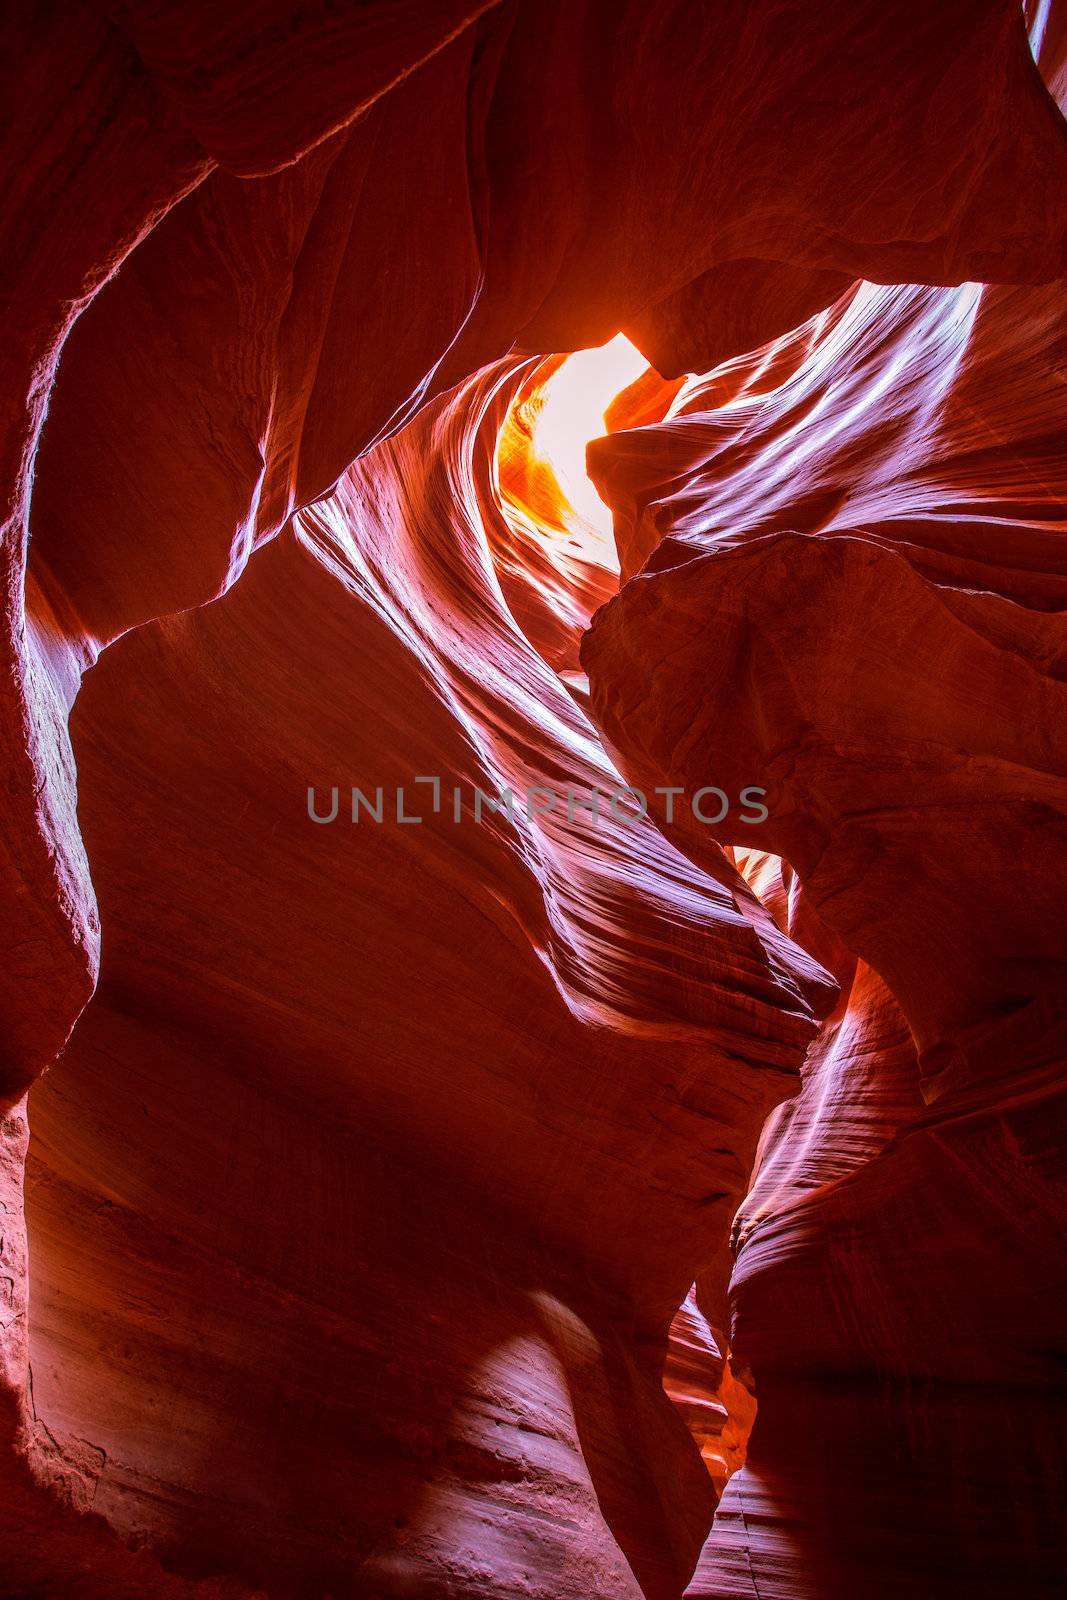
(531, 1030)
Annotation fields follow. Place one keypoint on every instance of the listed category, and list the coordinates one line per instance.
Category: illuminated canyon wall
(426, 1207)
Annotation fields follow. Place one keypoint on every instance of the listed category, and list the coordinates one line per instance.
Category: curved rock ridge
(873, 487)
(98, 152)
(850, 579)
(536, 1051)
(460, 169)
(366, 1191)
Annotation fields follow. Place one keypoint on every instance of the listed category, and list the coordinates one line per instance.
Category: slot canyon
(533, 866)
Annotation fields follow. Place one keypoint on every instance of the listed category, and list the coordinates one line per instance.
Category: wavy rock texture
(855, 590)
(547, 1067)
(362, 1200)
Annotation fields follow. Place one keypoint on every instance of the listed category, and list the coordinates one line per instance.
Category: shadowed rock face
(853, 588)
(379, 1182)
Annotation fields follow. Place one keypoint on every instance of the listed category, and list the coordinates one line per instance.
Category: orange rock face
(500, 983)
(852, 589)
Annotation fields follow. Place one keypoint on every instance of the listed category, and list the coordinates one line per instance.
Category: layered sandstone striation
(853, 587)
(378, 1177)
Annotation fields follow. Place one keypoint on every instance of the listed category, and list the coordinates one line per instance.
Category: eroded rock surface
(853, 591)
(368, 1165)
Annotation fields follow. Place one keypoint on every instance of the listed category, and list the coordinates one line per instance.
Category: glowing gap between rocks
(574, 401)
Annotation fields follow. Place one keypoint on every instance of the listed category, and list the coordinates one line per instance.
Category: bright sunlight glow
(575, 399)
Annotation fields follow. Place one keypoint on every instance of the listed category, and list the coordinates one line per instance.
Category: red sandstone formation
(854, 589)
(368, 1228)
